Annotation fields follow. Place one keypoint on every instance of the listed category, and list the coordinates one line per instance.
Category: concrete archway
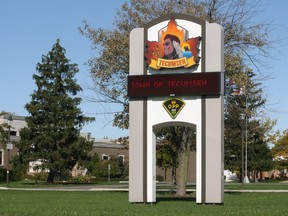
(188, 135)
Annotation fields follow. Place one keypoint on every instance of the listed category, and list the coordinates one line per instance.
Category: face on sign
(170, 44)
(168, 47)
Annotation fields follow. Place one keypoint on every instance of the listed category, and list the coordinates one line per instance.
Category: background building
(105, 148)
(16, 124)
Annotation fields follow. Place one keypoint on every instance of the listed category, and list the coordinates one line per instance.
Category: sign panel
(196, 84)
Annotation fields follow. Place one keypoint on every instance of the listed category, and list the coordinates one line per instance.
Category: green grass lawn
(257, 186)
(42, 184)
(44, 203)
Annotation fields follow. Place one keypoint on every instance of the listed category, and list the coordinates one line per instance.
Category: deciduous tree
(280, 150)
(3, 130)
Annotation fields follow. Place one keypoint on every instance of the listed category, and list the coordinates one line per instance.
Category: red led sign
(140, 86)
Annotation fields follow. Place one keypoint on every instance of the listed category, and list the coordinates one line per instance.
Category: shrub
(2, 175)
(40, 176)
(159, 178)
(13, 176)
(81, 179)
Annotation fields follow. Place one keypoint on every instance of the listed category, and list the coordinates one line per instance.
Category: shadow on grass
(191, 197)
(175, 199)
(234, 193)
(172, 197)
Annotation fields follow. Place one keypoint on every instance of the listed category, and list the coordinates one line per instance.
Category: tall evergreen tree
(52, 135)
(259, 154)
(244, 123)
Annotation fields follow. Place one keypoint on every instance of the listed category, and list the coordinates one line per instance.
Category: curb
(127, 190)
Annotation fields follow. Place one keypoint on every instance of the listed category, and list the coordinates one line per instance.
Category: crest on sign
(173, 49)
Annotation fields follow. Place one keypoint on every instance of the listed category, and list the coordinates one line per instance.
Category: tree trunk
(50, 179)
(174, 175)
(183, 161)
(181, 179)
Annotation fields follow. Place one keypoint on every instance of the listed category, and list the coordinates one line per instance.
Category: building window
(105, 157)
(13, 133)
(1, 157)
(121, 158)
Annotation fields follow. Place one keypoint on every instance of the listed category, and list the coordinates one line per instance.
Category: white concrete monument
(176, 77)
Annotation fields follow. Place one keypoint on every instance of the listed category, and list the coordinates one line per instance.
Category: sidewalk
(75, 188)
(126, 188)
